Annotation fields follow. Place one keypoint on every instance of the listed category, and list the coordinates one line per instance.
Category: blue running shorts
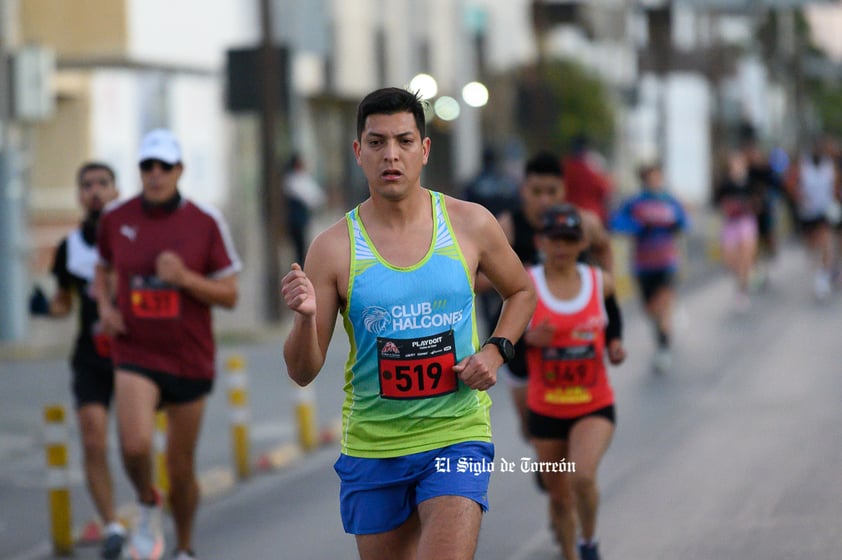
(378, 495)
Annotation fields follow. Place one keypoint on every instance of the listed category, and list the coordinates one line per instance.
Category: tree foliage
(826, 98)
(559, 101)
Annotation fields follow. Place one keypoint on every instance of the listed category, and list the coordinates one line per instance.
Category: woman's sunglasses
(149, 164)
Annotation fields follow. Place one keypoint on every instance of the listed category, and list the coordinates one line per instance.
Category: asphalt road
(735, 453)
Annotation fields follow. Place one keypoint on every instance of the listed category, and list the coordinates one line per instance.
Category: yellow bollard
(239, 410)
(306, 418)
(713, 246)
(162, 478)
(55, 439)
(623, 284)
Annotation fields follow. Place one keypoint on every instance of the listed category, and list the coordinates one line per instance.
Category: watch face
(505, 346)
(508, 349)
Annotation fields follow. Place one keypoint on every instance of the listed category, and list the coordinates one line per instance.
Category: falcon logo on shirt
(376, 319)
(129, 232)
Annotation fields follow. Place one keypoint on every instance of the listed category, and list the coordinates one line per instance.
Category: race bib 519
(417, 368)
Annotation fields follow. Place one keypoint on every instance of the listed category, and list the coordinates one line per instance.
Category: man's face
(391, 154)
(160, 180)
(753, 155)
(654, 180)
(96, 189)
(538, 192)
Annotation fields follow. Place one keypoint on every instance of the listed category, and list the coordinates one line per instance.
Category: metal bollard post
(162, 478)
(55, 439)
(239, 410)
(306, 418)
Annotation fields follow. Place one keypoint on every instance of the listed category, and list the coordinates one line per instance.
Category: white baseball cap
(160, 144)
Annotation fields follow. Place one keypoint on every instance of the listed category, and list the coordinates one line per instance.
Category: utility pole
(790, 51)
(273, 209)
(14, 312)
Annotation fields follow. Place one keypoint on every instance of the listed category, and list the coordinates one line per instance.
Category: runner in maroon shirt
(167, 260)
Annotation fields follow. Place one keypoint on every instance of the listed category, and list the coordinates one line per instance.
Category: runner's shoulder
(470, 216)
(332, 245)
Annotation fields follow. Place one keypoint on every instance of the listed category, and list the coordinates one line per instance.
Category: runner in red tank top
(569, 397)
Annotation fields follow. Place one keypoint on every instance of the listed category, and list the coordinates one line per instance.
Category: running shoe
(589, 551)
(821, 285)
(759, 279)
(112, 543)
(184, 555)
(147, 540)
(662, 361)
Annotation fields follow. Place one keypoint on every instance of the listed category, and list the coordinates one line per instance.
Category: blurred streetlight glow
(447, 108)
(475, 94)
(425, 85)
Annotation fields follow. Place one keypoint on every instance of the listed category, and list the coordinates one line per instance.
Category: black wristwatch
(504, 346)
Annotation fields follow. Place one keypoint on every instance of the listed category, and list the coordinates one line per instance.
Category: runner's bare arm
(314, 295)
(599, 242)
(614, 347)
(212, 291)
(109, 316)
(487, 251)
(61, 304)
(483, 284)
(499, 262)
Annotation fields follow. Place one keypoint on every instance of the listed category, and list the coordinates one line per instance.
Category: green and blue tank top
(407, 327)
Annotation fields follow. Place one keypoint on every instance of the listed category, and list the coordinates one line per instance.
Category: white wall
(511, 41)
(399, 48)
(642, 133)
(825, 23)
(115, 125)
(687, 160)
(354, 37)
(753, 82)
(197, 119)
(190, 32)
(199, 123)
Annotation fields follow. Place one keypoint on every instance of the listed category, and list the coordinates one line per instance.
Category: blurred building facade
(686, 75)
(682, 74)
(118, 68)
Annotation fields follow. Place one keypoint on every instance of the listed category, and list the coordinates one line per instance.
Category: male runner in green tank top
(416, 444)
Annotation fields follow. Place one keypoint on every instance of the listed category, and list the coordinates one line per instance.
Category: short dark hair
(544, 163)
(92, 166)
(388, 101)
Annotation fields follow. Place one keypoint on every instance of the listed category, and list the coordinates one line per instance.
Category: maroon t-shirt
(167, 329)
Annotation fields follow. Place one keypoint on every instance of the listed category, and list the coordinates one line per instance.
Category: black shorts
(174, 389)
(547, 427)
(766, 220)
(809, 225)
(650, 282)
(92, 383)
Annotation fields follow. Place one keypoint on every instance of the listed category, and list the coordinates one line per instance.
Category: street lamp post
(13, 269)
(274, 214)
